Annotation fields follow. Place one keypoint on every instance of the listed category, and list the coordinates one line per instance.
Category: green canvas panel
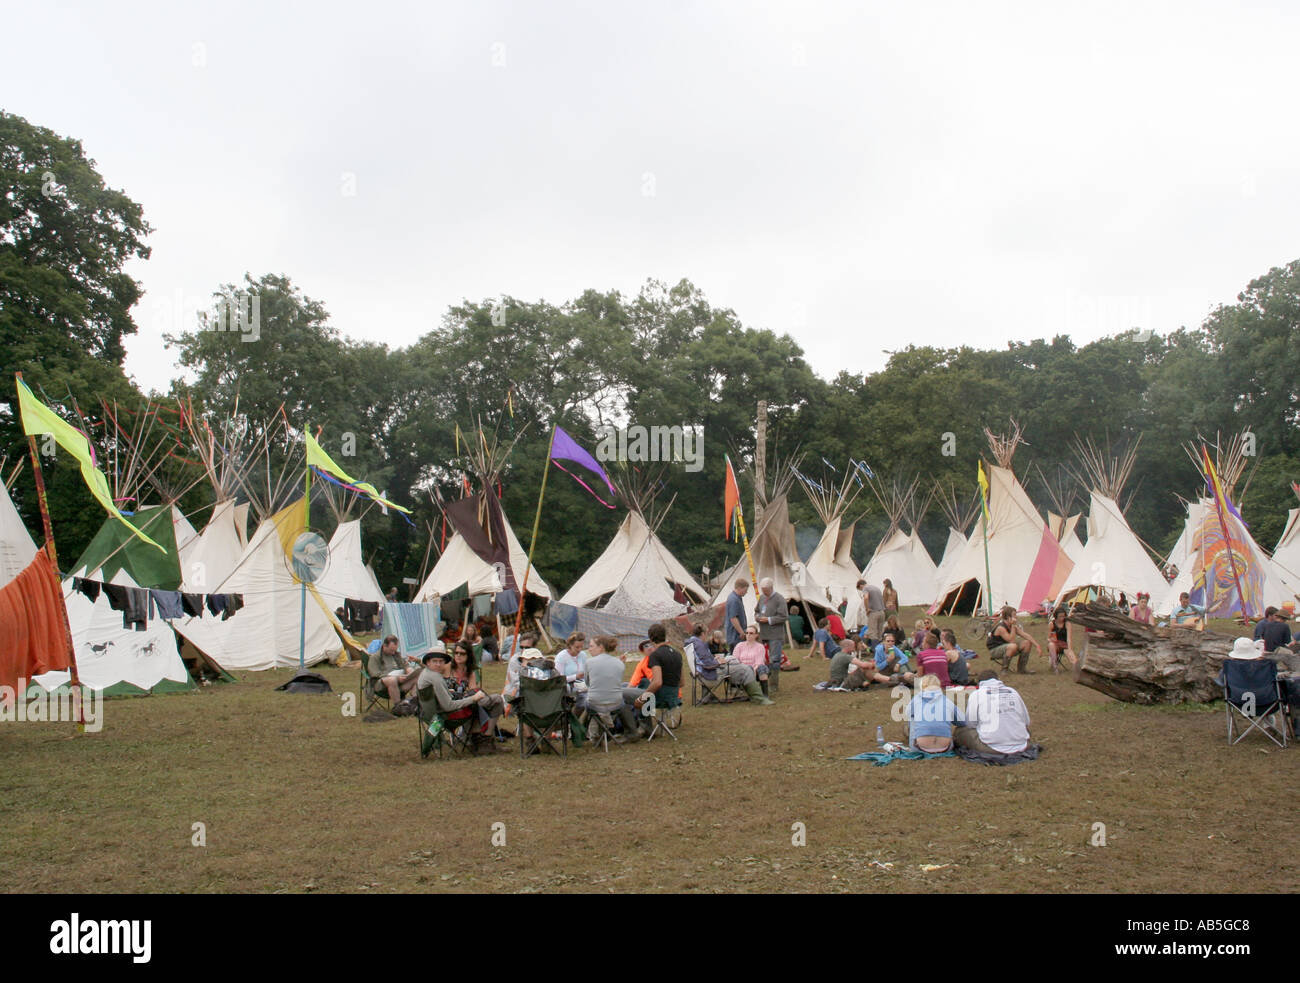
(146, 565)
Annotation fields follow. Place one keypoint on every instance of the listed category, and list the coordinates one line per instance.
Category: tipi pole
(302, 608)
(74, 681)
(744, 538)
(532, 543)
(988, 577)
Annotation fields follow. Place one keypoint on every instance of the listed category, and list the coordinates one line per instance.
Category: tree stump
(1137, 663)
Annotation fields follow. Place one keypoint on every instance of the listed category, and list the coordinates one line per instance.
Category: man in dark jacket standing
(771, 614)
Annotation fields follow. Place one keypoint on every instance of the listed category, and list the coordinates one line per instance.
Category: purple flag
(565, 448)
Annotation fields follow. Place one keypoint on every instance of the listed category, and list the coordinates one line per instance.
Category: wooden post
(74, 680)
(760, 462)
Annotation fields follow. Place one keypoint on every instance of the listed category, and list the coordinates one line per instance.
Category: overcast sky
(860, 176)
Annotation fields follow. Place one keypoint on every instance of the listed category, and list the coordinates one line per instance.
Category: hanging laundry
(167, 603)
(88, 587)
(192, 604)
(233, 603)
(133, 602)
(217, 603)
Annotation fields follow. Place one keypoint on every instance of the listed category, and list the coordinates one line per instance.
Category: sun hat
(1244, 648)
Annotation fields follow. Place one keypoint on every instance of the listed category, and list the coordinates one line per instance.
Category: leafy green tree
(65, 300)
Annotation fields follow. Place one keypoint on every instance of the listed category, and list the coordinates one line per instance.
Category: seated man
(958, 667)
(666, 676)
(605, 689)
(824, 645)
(712, 666)
(389, 671)
(1187, 614)
(841, 663)
(1009, 641)
(861, 670)
(997, 720)
(931, 660)
(435, 697)
(931, 716)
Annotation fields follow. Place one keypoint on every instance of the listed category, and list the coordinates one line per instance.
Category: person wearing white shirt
(997, 720)
(572, 660)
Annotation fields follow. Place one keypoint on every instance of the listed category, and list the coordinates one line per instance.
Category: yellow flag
(316, 457)
(40, 419)
(984, 491)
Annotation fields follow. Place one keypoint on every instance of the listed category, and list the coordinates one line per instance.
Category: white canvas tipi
(831, 562)
(1113, 558)
(901, 558)
(635, 549)
(347, 577)
(265, 633)
(1025, 562)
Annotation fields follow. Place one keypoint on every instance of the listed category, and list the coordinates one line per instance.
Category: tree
(65, 301)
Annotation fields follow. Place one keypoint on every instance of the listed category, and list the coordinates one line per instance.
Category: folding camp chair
(440, 731)
(373, 693)
(1253, 696)
(670, 706)
(720, 690)
(543, 708)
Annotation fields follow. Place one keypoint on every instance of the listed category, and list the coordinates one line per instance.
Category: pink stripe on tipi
(1048, 574)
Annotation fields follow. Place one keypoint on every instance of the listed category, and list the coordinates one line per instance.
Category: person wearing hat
(435, 696)
(1141, 611)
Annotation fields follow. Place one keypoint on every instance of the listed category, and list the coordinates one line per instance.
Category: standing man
(735, 613)
(874, 601)
(771, 614)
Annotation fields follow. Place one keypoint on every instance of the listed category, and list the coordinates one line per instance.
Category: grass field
(295, 797)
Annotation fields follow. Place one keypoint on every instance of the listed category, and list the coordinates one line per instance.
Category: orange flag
(731, 501)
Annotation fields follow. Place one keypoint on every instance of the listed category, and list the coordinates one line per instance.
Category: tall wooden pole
(74, 680)
(760, 463)
(532, 543)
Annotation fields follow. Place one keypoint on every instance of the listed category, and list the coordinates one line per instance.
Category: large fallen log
(1137, 663)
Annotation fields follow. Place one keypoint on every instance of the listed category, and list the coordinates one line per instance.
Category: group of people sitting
(855, 664)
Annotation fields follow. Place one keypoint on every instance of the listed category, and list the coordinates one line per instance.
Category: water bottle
(880, 736)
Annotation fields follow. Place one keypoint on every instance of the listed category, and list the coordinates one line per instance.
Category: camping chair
(439, 731)
(373, 694)
(720, 690)
(1252, 693)
(542, 707)
(669, 705)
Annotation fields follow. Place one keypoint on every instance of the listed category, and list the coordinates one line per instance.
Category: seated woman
(718, 644)
(571, 662)
(723, 665)
(923, 625)
(436, 698)
(1058, 641)
(891, 624)
(1141, 611)
(464, 679)
(958, 667)
(753, 653)
(605, 699)
(931, 717)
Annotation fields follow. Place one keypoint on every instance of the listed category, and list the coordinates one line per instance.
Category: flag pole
(532, 543)
(74, 680)
(753, 577)
(302, 607)
(984, 525)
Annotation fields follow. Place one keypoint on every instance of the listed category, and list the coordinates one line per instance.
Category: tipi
(1209, 564)
(1113, 559)
(1025, 563)
(831, 561)
(901, 558)
(959, 518)
(1286, 555)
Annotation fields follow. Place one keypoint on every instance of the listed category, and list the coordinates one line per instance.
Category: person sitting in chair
(389, 671)
(605, 689)
(752, 653)
(665, 675)
(725, 666)
(435, 695)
